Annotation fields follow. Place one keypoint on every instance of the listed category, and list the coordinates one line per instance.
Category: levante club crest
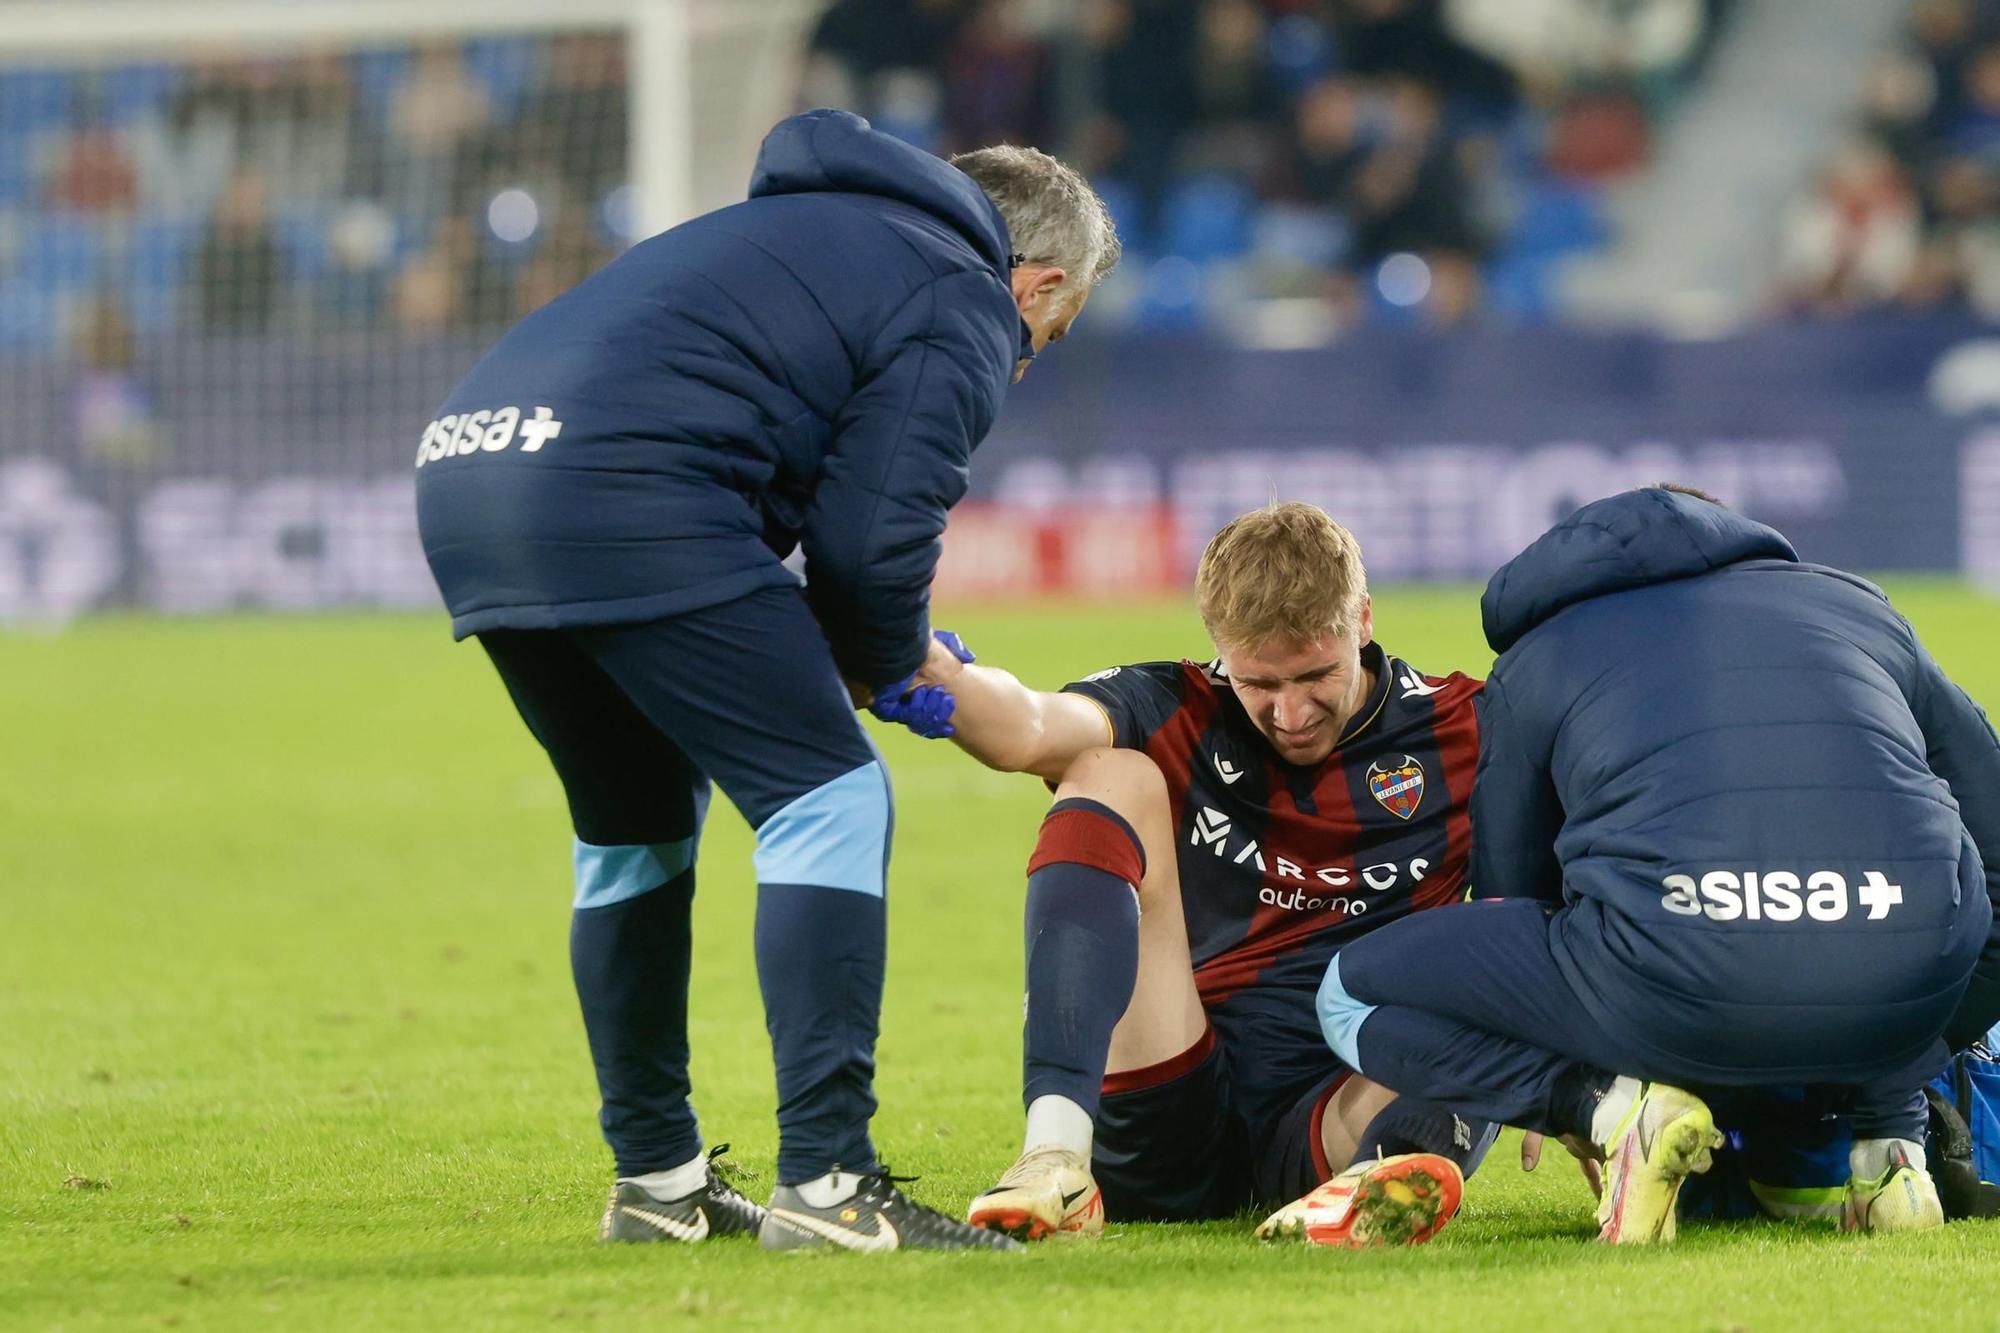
(1397, 786)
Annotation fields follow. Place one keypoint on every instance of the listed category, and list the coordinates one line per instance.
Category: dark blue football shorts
(1231, 1124)
(638, 718)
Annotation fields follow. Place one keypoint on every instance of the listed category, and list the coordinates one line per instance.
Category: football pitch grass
(287, 1037)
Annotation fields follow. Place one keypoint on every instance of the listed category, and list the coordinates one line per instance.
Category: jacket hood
(818, 151)
(1625, 541)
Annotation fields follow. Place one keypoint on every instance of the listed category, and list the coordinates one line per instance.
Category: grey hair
(1053, 216)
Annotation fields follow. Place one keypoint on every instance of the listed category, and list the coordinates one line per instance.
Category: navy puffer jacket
(810, 367)
(1762, 803)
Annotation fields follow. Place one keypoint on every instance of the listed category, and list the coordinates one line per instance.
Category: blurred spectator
(438, 114)
(187, 155)
(116, 413)
(1854, 242)
(575, 122)
(1896, 107)
(1913, 219)
(998, 81)
(867, 37)
(568, 255)
(95, 174)
(439, 105)
(1329, 146)
(1142, 57)
(361, 252)
(306, 119)
(1411, 37)
(1380, 153)
(239, 269)
(1975, 130)
(883, 58)
(429, 294)
(1960, 259)
(1240, 109)
(1410, 195)
(1941, 35)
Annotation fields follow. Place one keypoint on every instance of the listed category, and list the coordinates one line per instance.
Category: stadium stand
(1398, 160)
(451, 185)
(1907, 211)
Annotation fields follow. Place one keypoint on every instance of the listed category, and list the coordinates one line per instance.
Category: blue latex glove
(955, 644)
(924, 709)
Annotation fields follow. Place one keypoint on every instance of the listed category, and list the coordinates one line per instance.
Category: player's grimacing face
(1302, 693)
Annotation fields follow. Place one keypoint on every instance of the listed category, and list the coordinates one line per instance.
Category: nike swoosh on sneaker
(884, 1239)
(1070, 1199)
(672, 1226)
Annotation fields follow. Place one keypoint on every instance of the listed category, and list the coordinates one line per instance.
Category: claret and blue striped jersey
(1282, 864)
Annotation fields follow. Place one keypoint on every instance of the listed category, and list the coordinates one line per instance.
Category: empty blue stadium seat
(1208, 217)
(1518, 288)
(1299, 51)
(1302, 234)
(302, 239)
(1127, 213)
(132, 92)
(62, 253)
(17, 166)
(1559, 218)
(1172, 296)
(158, 250)
(37, 99)
(506, 66)
(378, 74)
(152, 306)
(27, 314)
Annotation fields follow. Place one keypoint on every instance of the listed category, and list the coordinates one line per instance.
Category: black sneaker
(876, 1217)
(715, 1209)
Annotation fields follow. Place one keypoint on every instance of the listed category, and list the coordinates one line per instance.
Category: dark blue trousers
(636, 719)
(1466, 1006)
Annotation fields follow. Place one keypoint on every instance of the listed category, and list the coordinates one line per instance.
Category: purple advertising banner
(211, 475)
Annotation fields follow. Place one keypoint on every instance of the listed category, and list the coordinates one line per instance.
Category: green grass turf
(286, 1031)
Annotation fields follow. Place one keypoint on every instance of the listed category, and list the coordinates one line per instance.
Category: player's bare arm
(1007, 726)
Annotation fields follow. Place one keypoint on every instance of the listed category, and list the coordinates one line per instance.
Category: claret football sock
(1083, 954)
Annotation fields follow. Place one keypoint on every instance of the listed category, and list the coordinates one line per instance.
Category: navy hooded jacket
(1762, 802)
(810, 367)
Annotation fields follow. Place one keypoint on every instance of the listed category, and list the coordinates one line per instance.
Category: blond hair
(1288, 571)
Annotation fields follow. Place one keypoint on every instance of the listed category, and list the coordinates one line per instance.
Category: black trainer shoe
(716, 1209)
(876, 1217)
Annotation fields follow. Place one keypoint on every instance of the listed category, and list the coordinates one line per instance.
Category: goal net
(246, 248)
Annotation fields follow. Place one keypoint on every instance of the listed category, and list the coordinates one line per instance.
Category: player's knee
(1341, 1016)
(1125, 780)
(609, 875)
(834, 836)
